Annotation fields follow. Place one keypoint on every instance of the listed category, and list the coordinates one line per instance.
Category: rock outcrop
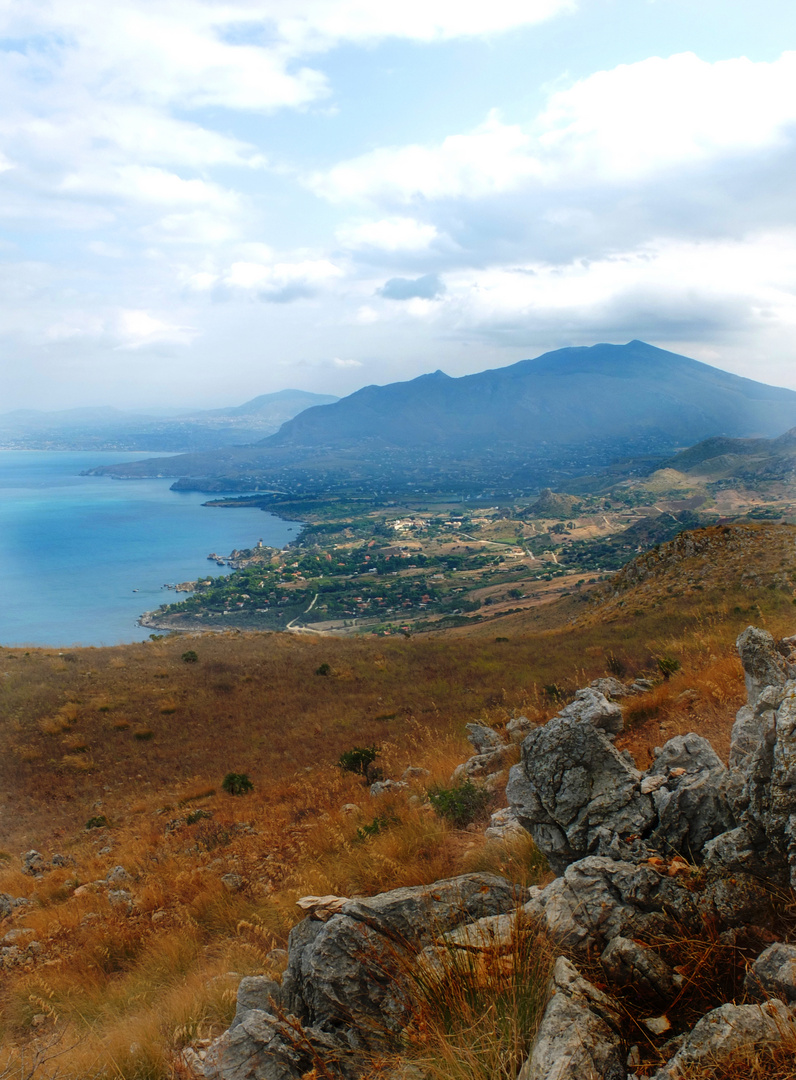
(626, 846)
(345, 992)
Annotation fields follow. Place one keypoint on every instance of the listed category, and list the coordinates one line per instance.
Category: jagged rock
(518, 727)
(322, 907)
(763, 665)
(773, 974)
(598, 899)
(263, 1047)
(346, 976)
(254, 992)
(387, 787)
(593, 707)
(729, 1028)
(628, 963)
(611, 687)
(579, 1033)
(575, 793)
(232, 882)
(117, 875)
(483, 764)
(503, 825)
(691, 805)
(33, 862)
(483, 738)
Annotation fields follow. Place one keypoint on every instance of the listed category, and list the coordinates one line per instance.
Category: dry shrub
(474, 1014)
(776, 1062)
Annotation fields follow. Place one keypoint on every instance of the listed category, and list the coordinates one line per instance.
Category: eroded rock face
(763, 665)
(579, 1033)
(483, 738)
(628, 963)
(594, 708)
(729, 1028)
(691, 805)
(574, 792)
(599, 899)
(773, 974)
(345, 991)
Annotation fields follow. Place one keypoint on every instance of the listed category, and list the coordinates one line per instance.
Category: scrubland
(135, 741)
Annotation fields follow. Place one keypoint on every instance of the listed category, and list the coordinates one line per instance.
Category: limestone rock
(578, 1036)
(594, 708)
(773, 974)
(322, 907)
(254, 992)
(575, 793)
(518, 727)
(483, 738)
(345, 976)
(727, 1029)
(598, 899)
(763, 665)
(691, 805)
(627, 963)
(611, 687)
(414, 773)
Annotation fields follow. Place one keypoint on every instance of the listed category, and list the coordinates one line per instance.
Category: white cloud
(614, 126)
(349, 363)
(393, 234)
(269, 280)
(138, 329)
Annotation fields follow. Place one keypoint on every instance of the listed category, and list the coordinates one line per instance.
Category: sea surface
(74, 548)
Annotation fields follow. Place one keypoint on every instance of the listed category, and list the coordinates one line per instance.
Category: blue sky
(205, 201)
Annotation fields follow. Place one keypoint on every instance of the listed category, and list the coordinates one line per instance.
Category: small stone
(322, 907)
(232, 882)
(350, 808)
(658, 1025)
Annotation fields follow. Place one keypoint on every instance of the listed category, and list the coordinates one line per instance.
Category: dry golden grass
(131, 987)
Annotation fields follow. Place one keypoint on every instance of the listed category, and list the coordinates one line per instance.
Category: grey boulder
(579, 1033)
(729, 1028)
(575, 793)
(762, 664)
(773, 974)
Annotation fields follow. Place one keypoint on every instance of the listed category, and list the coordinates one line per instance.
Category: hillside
(750, 460)
(738, 558)
(563, 413)
(156, 891)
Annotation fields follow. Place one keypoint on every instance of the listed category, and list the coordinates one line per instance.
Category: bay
(73, 548)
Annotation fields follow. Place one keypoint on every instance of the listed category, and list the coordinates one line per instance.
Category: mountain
(531, 423)
(104, 428)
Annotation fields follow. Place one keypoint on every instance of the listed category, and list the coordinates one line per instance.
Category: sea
(82, 557)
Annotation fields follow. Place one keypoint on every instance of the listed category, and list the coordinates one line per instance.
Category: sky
(206, 200)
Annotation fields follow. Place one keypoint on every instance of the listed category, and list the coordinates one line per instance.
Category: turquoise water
(73, 548)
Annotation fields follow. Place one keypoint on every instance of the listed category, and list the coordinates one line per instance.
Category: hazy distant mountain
(113, 429)
(565, 397)
(512, 428)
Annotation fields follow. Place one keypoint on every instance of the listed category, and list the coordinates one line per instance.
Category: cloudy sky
(204, 200)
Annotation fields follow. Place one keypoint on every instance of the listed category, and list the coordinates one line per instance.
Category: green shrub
(235, 783)
(357, 759)
(460, 804)
(190, 657)
(198, 815)
(324, 669)
(97, 822)
(667, 665)
(376, 826)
